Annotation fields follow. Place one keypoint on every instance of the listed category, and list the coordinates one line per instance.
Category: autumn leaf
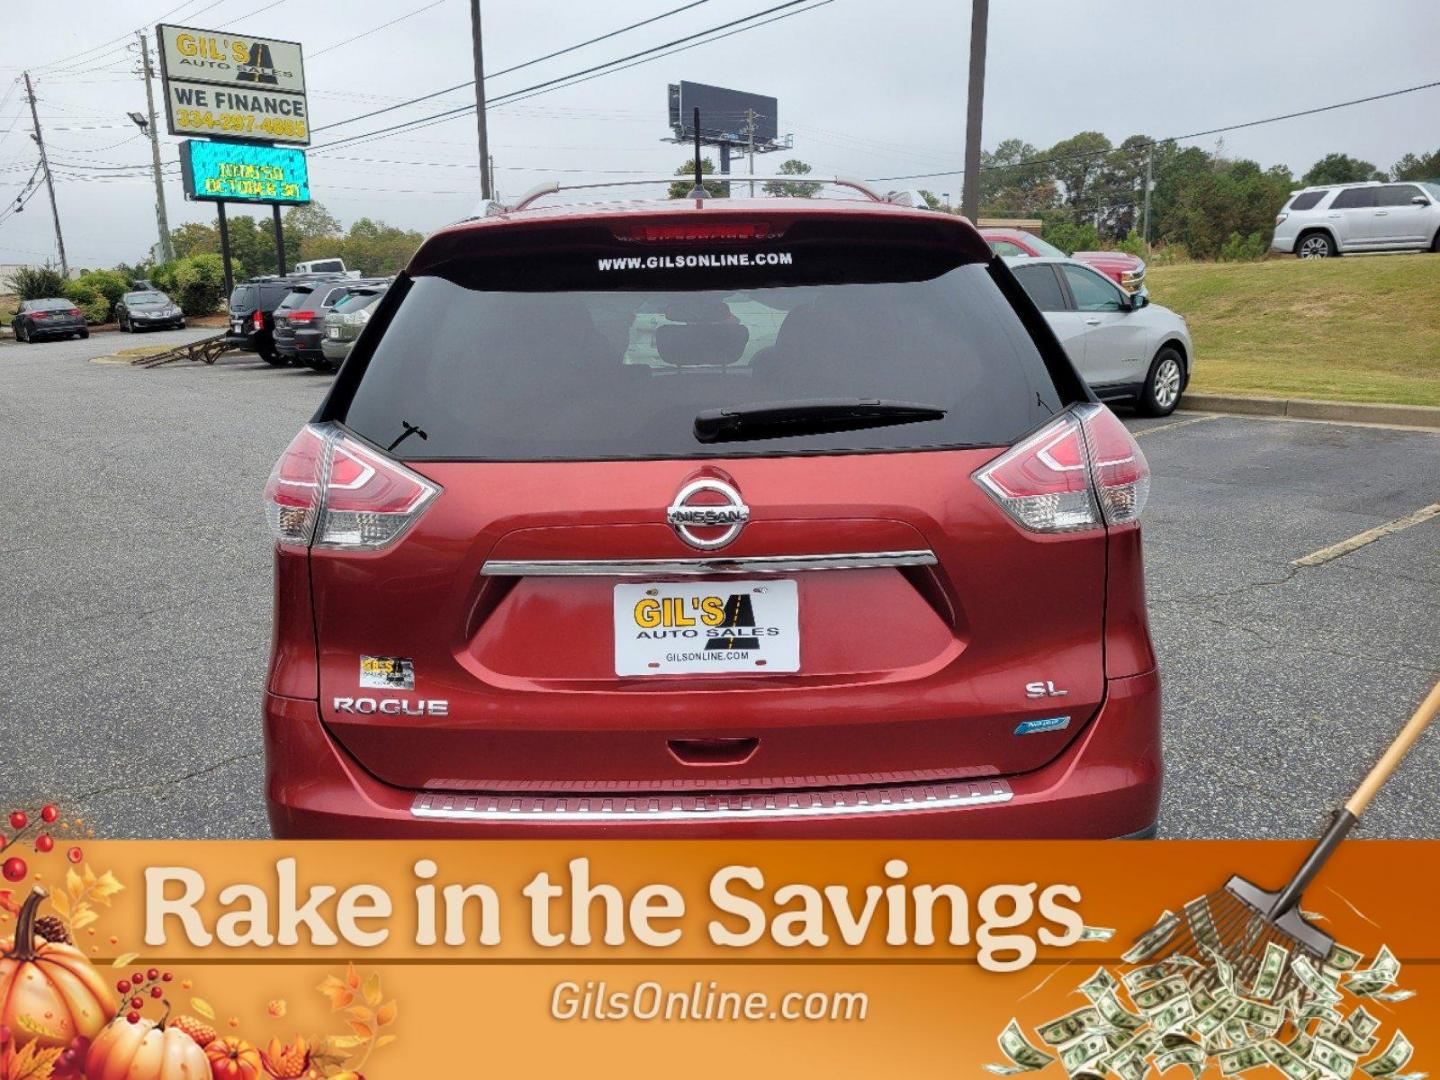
(352, 977)
(88, 876)
(33, 1063)
(386, 1013)
(203, 1007)
(372, 989)
(60, 902)
(338, 993)
(73, 885)
(384, 1040)
(35, 1027)
(344, 1042)
(361, 1013)
(106, 887)
(124, 959)
(365, 1031)
(277, 1008)
(83, 917)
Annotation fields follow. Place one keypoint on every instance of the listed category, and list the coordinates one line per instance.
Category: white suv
(1322, 221)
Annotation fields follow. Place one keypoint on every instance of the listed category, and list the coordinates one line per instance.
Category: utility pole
(975, 108)
(1145, 214)
(750, 142)
(49, 183)
(485, 187)
(167, 253)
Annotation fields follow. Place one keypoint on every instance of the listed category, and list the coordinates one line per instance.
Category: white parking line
(1177, 423)
(1369, 536)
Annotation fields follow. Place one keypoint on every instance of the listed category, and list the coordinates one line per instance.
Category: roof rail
(551, 187)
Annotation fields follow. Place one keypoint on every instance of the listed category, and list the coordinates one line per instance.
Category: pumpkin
(145, 1050)
(49, 984)
(233, 1059)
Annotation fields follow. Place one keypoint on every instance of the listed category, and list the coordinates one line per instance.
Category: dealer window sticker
(698, 262)
(387, 673)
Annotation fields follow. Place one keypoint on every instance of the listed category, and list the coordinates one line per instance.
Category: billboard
(244, 172)
(723, 113)
(235, 86)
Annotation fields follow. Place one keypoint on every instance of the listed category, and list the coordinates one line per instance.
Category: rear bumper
(335, 350)
(1106, 784)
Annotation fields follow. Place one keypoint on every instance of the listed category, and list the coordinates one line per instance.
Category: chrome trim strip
(758, 564)
(731, 806)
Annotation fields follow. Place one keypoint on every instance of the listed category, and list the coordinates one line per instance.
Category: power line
(376, 29)
(516, 67)
(1151, 143)
(609, 67)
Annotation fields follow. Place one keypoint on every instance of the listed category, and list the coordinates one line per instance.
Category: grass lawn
(1358, 328)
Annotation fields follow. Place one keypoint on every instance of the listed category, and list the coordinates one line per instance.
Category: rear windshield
(243, 297)
(326, 266)
(591, 372)
(297, 298)
(357, 300)
(50, 305)
(146, 298)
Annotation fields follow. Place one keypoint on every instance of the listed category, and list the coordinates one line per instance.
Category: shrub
(1133, 244)
(38, 282)
(199, 280)
(108, 283)
(1070, 237)
(90, 301)
(1244, 248)
(162, 276)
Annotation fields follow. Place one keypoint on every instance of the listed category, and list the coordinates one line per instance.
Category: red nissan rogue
(710, 518)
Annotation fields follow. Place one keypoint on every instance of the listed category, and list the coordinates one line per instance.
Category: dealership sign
(233, 86)
(241, 172)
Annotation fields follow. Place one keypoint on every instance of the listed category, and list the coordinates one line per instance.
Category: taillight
(257, 320)
(718, 230)
(301, 316)
(1082, 471)
(330, 491)
(73, 312)
(1280, 217)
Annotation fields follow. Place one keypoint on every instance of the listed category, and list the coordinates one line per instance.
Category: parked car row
(1333, 219)
(1126, 270)
(301, 318)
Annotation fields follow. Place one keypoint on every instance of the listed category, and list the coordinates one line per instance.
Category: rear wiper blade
(815, 416)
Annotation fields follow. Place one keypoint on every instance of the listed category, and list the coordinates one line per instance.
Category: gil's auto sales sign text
(233, 86)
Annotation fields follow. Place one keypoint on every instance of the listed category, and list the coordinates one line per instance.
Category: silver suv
(1322, 221)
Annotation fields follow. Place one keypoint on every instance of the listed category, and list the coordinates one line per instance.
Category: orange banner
(628, 958)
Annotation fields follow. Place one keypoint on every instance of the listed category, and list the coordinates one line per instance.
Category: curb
(1426, 416)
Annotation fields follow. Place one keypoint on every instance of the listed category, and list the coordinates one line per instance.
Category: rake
(1240, 920)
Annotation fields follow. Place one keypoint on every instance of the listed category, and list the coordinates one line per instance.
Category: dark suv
(730, 518)
(299, 321)
(252, 313)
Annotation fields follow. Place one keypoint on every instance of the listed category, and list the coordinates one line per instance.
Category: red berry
(156, 991)
(133, 1017)
(138, 978)
(123, 986)
(44, 844)
(15, 869)
(49, 813)
(137, 1003)
(75, 854)
(152, 974)
(166, 977)
(19, 819)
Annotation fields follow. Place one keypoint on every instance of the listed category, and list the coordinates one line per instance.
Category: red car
(1126, 270)
(762, 518)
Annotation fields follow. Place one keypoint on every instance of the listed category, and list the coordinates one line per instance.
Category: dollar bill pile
(1197, 1012)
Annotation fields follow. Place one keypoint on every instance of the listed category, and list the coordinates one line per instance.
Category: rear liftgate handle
(1348, 817)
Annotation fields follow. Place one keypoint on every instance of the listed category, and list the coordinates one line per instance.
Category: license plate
(707, 627)
(333, 333)
(237, 326)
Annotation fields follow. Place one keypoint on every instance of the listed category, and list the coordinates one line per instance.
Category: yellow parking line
(1369, 536)
(1177, 423)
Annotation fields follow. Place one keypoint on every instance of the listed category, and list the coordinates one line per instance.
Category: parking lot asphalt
(135, 582)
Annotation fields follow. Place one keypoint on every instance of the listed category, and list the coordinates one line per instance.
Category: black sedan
(51, 318)
(149, 309)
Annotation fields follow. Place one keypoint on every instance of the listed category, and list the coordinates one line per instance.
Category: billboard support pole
(975, 108)
(279, 240)
(225, 250)
(167, 251)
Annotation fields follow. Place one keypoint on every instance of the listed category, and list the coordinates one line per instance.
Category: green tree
(375, 248)
(252, 244)
(90, 301)
(1015, 181)
(110, 284)
(311, 232)
(1341, 169)
(681, 188)
(1078, 164)
(1411, 167)
(792, 189)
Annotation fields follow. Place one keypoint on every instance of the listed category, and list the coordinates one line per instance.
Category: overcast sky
(867, 89)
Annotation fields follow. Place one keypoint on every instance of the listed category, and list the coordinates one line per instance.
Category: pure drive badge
(387, 673)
